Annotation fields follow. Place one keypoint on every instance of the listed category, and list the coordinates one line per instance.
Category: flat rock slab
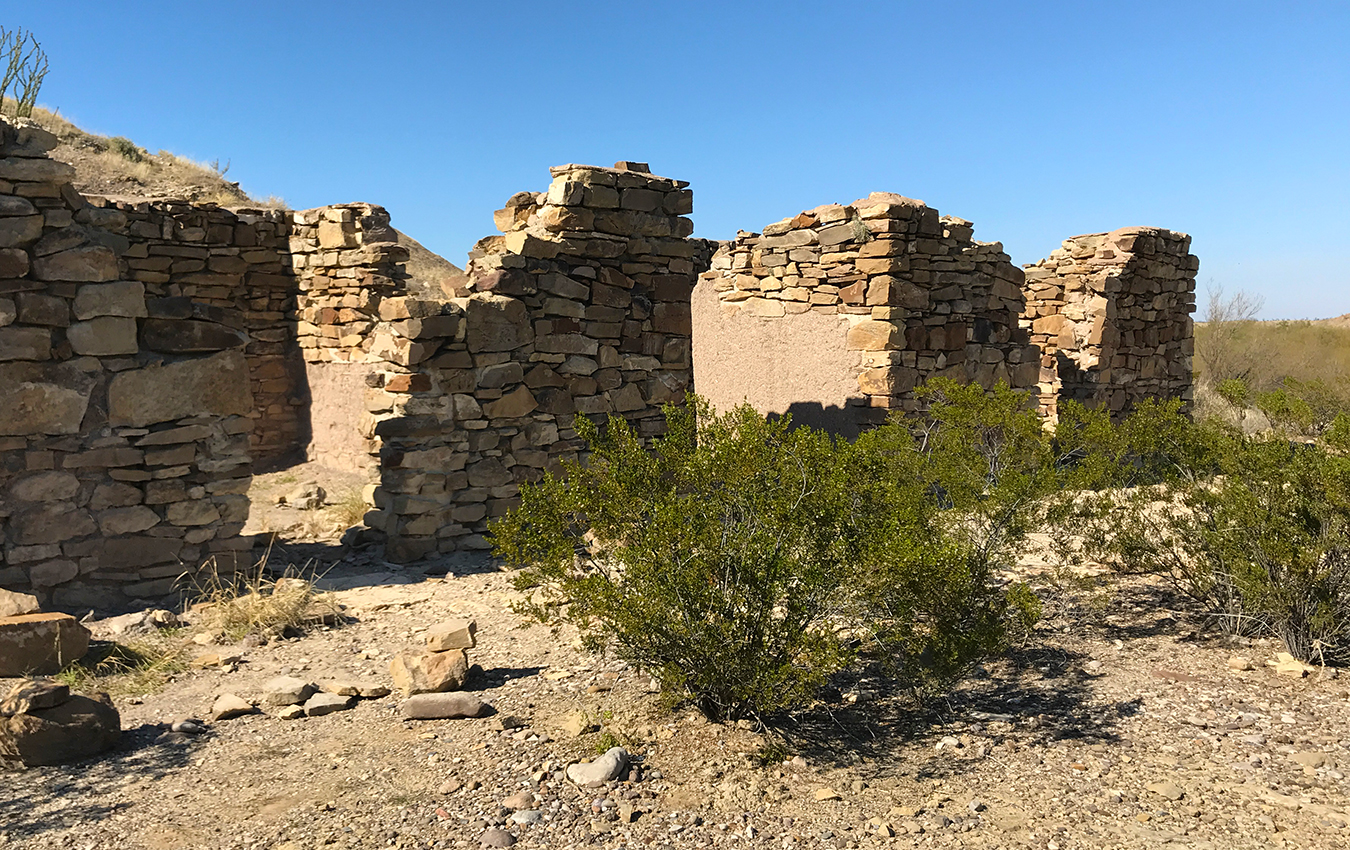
(442, 706)
(78, 728)
(287, 690)
(34, 694)
(604, 769)
(452, 634)
(40, 644)
(322, 703)
(228, 706)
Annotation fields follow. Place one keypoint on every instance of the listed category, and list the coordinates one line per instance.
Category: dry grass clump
(134, 668)
(350, 509)
(233, 606)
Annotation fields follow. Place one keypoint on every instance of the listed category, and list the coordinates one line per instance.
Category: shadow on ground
(41, 800)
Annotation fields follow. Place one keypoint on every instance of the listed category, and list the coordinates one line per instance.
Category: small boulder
(604, 769)
(518, 801)
(497, 838)
(428, 672)
(452, 634)
(307, 497)
(40, 644)
(291, 712)
(77, 728)
(442, 706)
(34, 694)
(323, 703)
(287, 690)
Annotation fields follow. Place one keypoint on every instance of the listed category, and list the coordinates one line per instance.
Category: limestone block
(94, 263)
(128, 520)
(12, 604)
(209, 385)
(122, 298)
(18, 343)
(104, 336)
(42, 398)
(40, 644)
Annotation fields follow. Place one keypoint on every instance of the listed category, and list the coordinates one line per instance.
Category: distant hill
(118, 168)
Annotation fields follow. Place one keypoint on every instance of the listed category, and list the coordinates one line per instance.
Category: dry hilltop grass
(116, 167)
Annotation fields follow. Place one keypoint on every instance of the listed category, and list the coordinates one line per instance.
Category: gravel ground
(1117, 726)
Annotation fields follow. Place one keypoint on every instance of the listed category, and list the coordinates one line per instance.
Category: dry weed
(239, 604)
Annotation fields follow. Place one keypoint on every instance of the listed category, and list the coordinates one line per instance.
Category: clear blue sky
(1036, 120)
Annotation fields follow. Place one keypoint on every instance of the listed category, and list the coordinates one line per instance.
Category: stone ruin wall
(579, 307)
(124, 429)
(152, 352)
(836, 314)
(1111, 315)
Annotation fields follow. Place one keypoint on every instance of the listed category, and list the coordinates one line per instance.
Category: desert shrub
(1255, 529)
(1235, 392)
(126, 148)
(742, 561)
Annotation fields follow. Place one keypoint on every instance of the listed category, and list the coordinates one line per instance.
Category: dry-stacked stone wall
(579, 307)
(1111, 314)
(124, 425)
(346, 263)
(223, 275)
(836, 314)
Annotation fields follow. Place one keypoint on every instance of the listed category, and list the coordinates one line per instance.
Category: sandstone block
(104, 336)
(452, 634)
(428, 672)
(48, 486)
(40, 644)
(442, 706)
(19, 231)
(50, 522)
(873, 335)
(78, 728)
(189, 336)
(519, 402)
(35, 170)
(209, 385)
(13, 262)
(36, 308)
(94, 263)
(25, 343)
(122, 298)
(287, 690)
(496, 323)
(128, 520)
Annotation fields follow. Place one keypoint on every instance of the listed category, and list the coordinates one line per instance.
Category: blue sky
(1037, 121)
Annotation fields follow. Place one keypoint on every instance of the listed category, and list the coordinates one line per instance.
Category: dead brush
(234, 605)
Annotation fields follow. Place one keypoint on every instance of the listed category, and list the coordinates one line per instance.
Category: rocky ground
(1118, 725)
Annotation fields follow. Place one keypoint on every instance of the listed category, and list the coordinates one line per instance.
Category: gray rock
(287, 690)
(188, 726)
(322, 703)
(497, 838)
(604, 769)
(442, 706)
(12, 603)
(527, 816)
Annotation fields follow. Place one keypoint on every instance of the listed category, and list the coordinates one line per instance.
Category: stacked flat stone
(921, 298)
(231, 268)
(123, 412)
(1111, 314)
(580, 307)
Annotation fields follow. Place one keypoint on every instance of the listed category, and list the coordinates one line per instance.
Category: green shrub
(742, 561)
(1235, 392)
(125, 148)
(1256, 529)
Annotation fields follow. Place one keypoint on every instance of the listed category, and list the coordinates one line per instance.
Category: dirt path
(1081, 739)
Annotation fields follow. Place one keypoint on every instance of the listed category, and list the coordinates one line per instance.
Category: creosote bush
(742, 561)
(1257, 529)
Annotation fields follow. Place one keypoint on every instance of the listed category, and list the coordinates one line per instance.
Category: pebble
(291, 712)
(1167, 789)
(189, 726)
(497, 838)
(523, 800)
(527, 816)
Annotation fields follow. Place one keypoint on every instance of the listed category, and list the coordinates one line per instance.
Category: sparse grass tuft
(135, 668)
(256, 603)
(350, 509)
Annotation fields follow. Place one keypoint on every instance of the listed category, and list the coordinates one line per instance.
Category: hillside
(116, 167)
